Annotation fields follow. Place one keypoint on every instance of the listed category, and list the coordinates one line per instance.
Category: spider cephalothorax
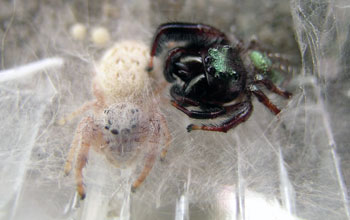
(210, 73)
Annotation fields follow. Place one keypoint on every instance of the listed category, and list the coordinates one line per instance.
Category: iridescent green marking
(260, 61)
(220, 63)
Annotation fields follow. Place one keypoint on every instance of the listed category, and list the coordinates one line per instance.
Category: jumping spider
(119, 130)
(211, 74)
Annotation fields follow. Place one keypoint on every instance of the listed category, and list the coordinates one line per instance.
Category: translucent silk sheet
(294, 166)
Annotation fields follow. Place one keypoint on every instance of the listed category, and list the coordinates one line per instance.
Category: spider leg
(160, 88)
(159, 124)
(180, 61)
(199, 33)
(264, 100)
(73, 148)
(270, 86)
(88, 135)
(242, 112)
(173, 55)
(99, 94)
(80, 164)
(204, 114)
(81, 110)
(165, 129)
(179, 98)
(96, 105)
(150, 158)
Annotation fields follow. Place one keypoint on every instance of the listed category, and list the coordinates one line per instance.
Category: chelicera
(210, 75)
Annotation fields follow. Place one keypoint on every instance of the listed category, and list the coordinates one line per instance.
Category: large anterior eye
(207, 59)
(211, 70)
(115, 131)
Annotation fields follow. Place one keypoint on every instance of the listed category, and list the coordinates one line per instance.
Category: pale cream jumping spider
(121, 131)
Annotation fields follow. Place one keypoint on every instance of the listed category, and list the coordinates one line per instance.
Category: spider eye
(107, 127)
(211, 70)
(109, 122)
(207, 59)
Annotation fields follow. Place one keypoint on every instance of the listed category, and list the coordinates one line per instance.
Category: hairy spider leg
(88, 135)
(242, 112)
(82, 158)
(173, 55)
(73, 148)
(175, 94)
(149, 161)
(97, 104)
(173, 65)
(199, 34)
(159, 124)
(87, 106)
(165, 129)
(204, 114)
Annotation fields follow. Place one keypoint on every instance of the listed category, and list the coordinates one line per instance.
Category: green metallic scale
(220, 62)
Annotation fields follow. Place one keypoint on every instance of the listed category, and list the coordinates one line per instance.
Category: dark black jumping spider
(212, 74)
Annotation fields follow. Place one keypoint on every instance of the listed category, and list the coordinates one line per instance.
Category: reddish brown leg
(265, 100)
(212, 113)
(270, 86)
(174, 92)
(242, 112)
